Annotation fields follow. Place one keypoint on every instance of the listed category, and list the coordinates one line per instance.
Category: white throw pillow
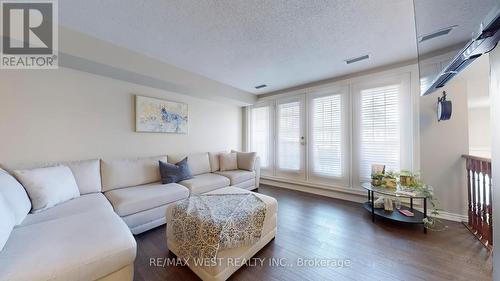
(49, 186)
(7, 222)
(246, 160)
(214, 160)
(15, 196)
(87, 175)
(228, 161)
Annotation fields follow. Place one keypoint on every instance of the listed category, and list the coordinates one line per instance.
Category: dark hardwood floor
(311, 226)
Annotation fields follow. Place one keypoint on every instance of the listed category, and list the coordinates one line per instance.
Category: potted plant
(405, 178)
(377, 179)
(417, 185)
(389, 180)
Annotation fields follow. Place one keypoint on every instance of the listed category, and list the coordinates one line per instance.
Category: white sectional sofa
(90, 237)
(81, 239)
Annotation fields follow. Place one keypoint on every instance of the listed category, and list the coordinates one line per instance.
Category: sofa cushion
(87, 175)
(228, 161)
(237, 176)
(84, 246)
(7, 222)
(246, 160)
(198, 162)
(174, 173)
(130, 172)
(84, 203)
(146, 220)
(131, 200)
(206, 182)
(49, 186)
(248, 184)
(15, 196)
(214, 160)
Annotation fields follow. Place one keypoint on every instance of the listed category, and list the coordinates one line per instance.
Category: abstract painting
(160, 116)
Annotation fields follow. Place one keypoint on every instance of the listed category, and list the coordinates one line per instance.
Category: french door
(290, 139)
(328, 135)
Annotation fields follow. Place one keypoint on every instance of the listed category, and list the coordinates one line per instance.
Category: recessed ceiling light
(260, 86)
(353, 60)
(440, 32)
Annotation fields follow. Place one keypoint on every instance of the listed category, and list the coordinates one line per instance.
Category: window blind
(326, 139)
(379, 129)
(289, 150)
(260, 134)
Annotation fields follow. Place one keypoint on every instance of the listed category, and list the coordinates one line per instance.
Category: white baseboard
(353, 195)
(358, 196)
(451, 216)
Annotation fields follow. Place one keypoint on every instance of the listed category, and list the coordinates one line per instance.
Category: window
(379, 129)
(382, 125)
(260, 134)
(331, 136)
(326, 136)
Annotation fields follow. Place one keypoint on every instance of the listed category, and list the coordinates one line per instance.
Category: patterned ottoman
(217, 256)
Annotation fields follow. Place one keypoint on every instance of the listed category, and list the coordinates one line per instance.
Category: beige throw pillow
(228, 161)
(49, 186)
(214, 160)
(246, 160)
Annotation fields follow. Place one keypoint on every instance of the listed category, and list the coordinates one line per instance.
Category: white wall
(468, 132)
(442, 145)
(65, 114)
(477, 76)
(479, 131)
(83, 52)
(495, 160)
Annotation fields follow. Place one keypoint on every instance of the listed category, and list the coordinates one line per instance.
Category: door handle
(302, 140)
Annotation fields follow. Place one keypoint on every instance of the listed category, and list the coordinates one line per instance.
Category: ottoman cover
(229, 260)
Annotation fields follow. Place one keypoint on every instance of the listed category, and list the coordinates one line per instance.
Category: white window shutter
(326, 136)
(379, 129)
(289, 134)
(260, 134)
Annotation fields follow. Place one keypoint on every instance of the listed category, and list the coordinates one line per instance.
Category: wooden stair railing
(480, 222)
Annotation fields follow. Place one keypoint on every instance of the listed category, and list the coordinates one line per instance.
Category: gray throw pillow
(173, 173)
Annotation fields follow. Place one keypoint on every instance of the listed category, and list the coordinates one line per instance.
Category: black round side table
(395, 215)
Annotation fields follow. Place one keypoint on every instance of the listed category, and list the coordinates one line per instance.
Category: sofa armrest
(257, 171)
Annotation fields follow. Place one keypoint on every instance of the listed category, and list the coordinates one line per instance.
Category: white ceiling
(467, 15)
(244, 43)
